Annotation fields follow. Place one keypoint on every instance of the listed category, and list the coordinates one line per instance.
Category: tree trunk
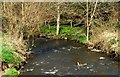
(93, 13)
(49, 24)
(71, 24)
(88, 25)
(45, 23)
(4, 6)
(87, 35)
(58, 19)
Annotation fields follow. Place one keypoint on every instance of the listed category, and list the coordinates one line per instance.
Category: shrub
(7, 56)
(12, 72)
(108, 36)
(11, 52)
(83, 39)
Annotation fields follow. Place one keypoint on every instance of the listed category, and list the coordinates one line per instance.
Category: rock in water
(65, 38)
(87, 67)
(101, 58)
(80, 65)
(30, 70)
(95, 50)
(37, 64)
(51, 72)
(90, 47)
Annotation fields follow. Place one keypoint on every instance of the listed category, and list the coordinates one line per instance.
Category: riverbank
(14, 55)
(108, 45)
(66, 32)
(16, 47)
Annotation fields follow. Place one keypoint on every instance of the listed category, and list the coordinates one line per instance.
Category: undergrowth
(10, 56)
(73, 33)
(12, 72)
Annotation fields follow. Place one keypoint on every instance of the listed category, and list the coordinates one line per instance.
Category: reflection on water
(62, 57)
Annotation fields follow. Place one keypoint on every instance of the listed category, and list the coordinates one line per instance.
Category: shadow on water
(62, 57)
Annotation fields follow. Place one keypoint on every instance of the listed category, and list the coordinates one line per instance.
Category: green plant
(12, 72)
(69, 20)
(1, 35)
(7, 56)
(50, 30)
(78, 21)
(83, 39)
(66, 31)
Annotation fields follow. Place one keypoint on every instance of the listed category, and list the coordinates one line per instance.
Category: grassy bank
(66, 32)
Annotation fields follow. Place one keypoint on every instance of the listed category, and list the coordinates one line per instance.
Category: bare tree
(58, 18)
(89, 23)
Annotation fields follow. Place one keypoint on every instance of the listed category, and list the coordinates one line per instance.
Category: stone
(90, 47)
(51, 72)
(30, 70)
(91, 70)
(87, 67)
(102, 58)
(95, 50)
(37, 64)
(65, 38)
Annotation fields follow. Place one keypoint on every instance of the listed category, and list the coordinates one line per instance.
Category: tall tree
(58, 18)
(87, 22)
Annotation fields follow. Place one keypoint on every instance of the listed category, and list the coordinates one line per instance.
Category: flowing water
(62, 57)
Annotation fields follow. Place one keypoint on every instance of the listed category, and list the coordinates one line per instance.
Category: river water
(62, 57)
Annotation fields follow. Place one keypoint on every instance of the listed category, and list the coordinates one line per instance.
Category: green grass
(65, 31)
(1, 35)
(12, 72)
(48, 29)
(83, 39)
(9, 57)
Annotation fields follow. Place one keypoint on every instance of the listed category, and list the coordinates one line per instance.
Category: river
(63, 57)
